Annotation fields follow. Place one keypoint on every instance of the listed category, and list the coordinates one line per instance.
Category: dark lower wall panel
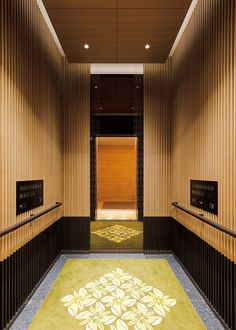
(157, 233)
(214, 274)
(21, 272)
(75, 234)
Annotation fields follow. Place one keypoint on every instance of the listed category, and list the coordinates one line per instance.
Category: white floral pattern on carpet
(118, 301)
(117, 233)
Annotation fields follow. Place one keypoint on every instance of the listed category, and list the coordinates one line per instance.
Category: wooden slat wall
(31, 146)
(77, 139)
(117, 173)
(157, 139)
(204, 117)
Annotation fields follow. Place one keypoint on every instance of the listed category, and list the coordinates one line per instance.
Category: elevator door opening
(116, 167)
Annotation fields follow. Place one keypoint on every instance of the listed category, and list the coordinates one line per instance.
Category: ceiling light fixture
(147, 46)
(86, 46)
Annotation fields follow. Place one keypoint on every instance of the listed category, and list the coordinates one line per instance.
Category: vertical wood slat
(31, 145)
(77, 139)
(203, 117)
(157, 139)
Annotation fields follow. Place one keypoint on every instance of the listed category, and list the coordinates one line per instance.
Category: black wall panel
(157, 234)
(213, 273)
(21, 272)
(75, 234)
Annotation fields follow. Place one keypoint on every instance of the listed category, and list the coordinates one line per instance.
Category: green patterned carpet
(117, 294)
(116, 235)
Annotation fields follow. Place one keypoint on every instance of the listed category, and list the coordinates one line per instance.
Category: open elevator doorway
(116, 162)
(116, 176)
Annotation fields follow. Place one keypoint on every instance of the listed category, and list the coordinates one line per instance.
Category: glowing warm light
(116, 214)
(147, 46)
(86, 46)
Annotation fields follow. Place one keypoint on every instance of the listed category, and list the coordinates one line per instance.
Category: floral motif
(118, 276)
(117, 233)
(120, 325)
(98, 287)
(141, 318)
(77, 301)
(136, 287)
(118, 301)
(96, 317)
(159, 302)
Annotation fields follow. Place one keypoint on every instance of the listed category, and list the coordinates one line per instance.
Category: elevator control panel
(29, 195)
(204, 195)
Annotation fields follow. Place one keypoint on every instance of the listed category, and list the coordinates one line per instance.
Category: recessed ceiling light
(96, 86)
(86, 46)
(147, 46)
(100, 108)
(137, 86)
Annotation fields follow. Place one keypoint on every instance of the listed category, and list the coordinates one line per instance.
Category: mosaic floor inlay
(118, 300)
(117, 233)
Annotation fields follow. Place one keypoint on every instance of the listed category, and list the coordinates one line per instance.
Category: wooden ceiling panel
(77, 27)
(154, 4)
(77, 4)
(117, 30)
(138, 27)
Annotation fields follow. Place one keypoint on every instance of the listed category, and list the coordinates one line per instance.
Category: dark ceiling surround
(117, 30)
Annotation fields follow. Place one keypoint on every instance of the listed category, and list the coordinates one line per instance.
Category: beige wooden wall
(31, 144)
(77, 139)
(157, 139)
(204, 117)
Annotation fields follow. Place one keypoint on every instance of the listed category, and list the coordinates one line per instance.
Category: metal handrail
(208, 221)
(28, 220)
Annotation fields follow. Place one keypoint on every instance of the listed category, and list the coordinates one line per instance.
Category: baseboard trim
(75, 252)
(158, 252)
(116, 251)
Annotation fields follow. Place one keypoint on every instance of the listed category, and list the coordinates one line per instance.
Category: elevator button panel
(29, 195)
(204, 195)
